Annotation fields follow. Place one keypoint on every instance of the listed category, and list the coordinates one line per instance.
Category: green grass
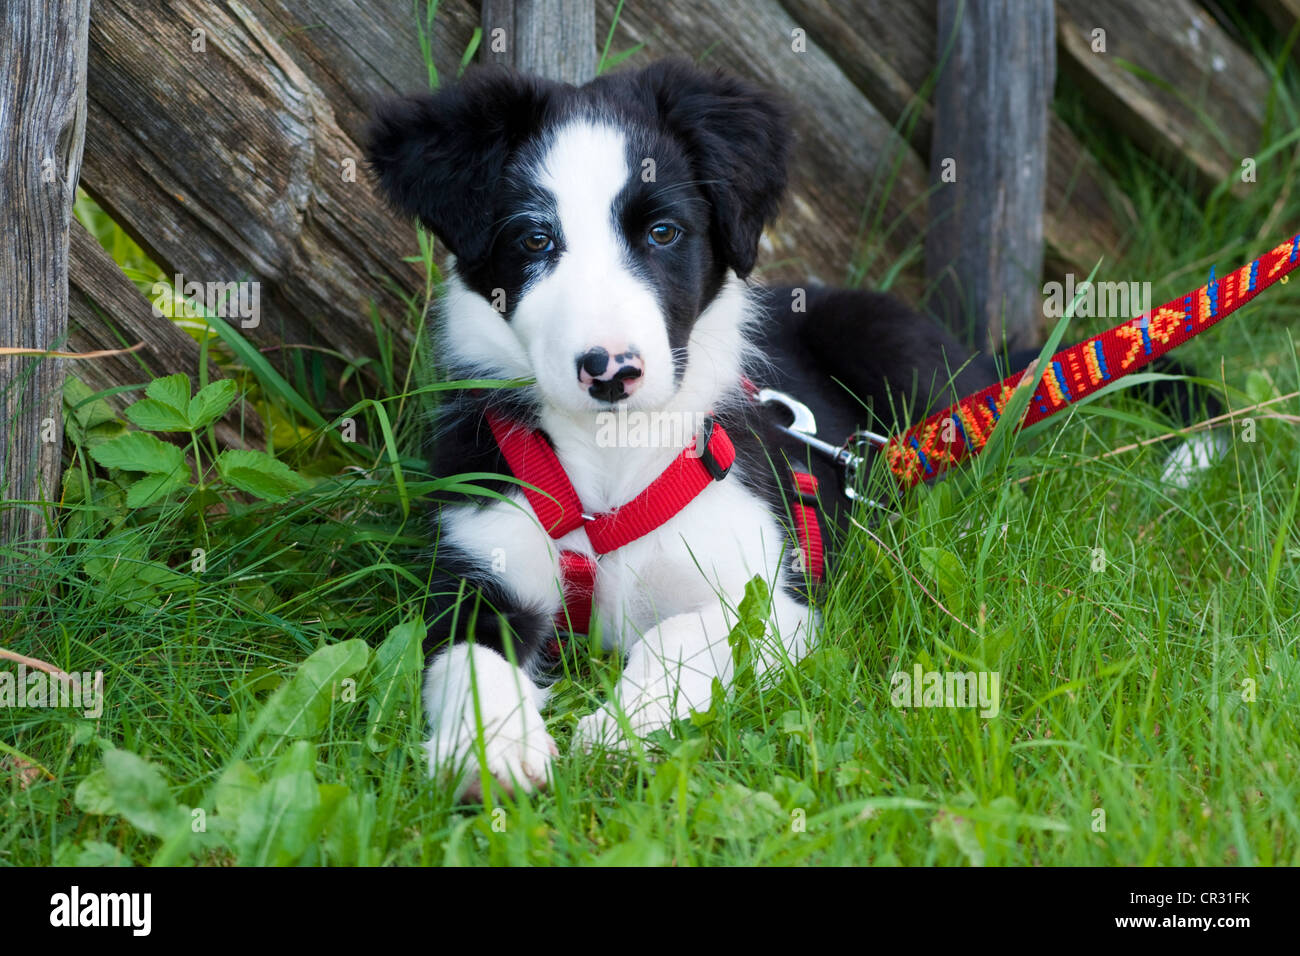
(1126, 688)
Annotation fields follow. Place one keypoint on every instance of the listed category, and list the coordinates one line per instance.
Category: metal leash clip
(803, 427)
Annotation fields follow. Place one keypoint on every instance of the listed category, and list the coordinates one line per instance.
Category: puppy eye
(663, 234)
(538, 242)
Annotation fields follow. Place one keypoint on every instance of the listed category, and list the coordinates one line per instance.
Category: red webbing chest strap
(555, 502)
(811, 557)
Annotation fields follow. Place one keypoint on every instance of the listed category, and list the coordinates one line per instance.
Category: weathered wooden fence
(988, 168)
(42, 115)
(223, 135)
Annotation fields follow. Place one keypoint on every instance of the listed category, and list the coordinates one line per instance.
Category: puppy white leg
(517, 748)
(670, 671)
(1196, 454)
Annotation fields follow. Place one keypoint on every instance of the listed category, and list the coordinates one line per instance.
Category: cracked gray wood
(553, 38)
(42, 122)
(1170, 78)
(107, 311)
(988, 169)
(888, 50)
(225, 161)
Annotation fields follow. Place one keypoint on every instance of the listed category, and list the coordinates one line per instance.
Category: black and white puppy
(603, 236)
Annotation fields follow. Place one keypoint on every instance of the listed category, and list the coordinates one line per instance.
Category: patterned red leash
(961, 431)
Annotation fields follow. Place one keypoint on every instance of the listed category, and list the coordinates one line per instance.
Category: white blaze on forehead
(585, 168)
(591, 295)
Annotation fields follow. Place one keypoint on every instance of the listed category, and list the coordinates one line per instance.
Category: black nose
(606, 377)
(593, 362)
(612, 390)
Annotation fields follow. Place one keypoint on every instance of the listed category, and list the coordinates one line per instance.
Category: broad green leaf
(174, 390)
(997, 642)
(961, 832)
(332, 797)
(275, 827)
(89, 853)
(345, 838)
(93, 436)
(122, 567)
(1258, 387)
(717, 696)
(117, 577)
(399, 657)
(106, 432)
(154, 416)
(792, 794)
(92, 794)
(138, 792)
(301, 707)
(160, 576)
(87, 411)
(139, 451)
(236, 789)
(83, 731)
(642, 852)
(664, 782)
(737, 813)
(259, 474)
(946, 570)
(108, 559)
(749, 630)
(107, 504)
(793, 722)
(151, 488)
(103, 493)
(211, 402)
(282, 820)
(936, 504)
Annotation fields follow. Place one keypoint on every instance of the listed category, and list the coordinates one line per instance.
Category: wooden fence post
(988, 169)
(42, 126)
(554, 38)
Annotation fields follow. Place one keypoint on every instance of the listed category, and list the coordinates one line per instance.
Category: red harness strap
(578, 572)
(533, 461)
(808, 532)
(555, 502)
(689, 474)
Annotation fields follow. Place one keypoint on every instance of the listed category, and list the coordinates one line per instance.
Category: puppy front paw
(516, 749)
(518, 753)
(603, 729)
(597, 730)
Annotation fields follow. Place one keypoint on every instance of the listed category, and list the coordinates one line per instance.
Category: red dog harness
(555, 502)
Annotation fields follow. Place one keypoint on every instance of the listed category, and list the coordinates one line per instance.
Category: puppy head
(591, 226)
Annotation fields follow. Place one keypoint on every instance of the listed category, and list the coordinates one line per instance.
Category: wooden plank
(843, 144)
(1170, 78)
(553, 38)
(1086, 216)
(357, 51)
(1283, 14)
(107, 311)
(887, 48)
(42, 122)
(223, 159)
(988, 170)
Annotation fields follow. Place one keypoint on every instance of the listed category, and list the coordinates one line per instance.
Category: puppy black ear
(440, 157)
(738, 139)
